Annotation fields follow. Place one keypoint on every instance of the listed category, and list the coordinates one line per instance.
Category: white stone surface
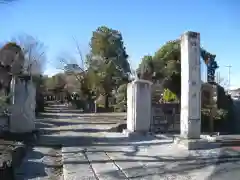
(75, 164)
(139, 106)
(156, 158)
(23, 108)
(143, 158)
(191, 85)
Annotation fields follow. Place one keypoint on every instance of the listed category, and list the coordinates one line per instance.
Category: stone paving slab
(166, 160)
(140, 160)
(102, 164)
(136, 158)
(76, 165)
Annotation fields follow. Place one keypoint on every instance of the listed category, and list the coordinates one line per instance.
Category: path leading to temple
(74, 146)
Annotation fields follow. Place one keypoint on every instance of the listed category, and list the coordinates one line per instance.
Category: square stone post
(190, 86)
(22, 119)
(138, 107)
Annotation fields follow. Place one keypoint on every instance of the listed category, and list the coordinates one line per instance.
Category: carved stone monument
(191, 94)
(138, 107)
(190, 86)
(22, 118)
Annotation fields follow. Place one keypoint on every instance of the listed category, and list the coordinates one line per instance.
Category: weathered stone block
(195, 144)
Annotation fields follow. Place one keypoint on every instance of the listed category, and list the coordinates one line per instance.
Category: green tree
(107, 61)
(121, 98)
(108, 44)
(72, 84)
(146, 68)
(56, 83)
(165, 65)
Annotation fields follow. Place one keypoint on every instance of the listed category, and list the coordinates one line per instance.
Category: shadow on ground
(182, 167)
(166, 165)
(149, 164)
(179, 166)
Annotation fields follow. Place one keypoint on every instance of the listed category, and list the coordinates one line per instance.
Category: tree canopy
(11, 63)
(165, 65)
(107, 62)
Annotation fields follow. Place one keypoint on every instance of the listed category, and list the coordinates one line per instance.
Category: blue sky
(145, 26)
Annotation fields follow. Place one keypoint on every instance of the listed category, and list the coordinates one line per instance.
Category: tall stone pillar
(190, 86)
(138, 107)
(22, 119)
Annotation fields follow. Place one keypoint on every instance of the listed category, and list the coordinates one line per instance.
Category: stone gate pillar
(138, 106)
(190, 86)
(22, 117)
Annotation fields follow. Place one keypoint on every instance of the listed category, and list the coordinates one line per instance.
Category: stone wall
(236, 121)
(165, 118)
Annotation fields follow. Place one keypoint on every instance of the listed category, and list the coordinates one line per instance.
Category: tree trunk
(211, 121)
(107, 101)
(212, 112)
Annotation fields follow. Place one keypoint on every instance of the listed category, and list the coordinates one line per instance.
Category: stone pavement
(43, 161)
(101, 155)
(89, 152)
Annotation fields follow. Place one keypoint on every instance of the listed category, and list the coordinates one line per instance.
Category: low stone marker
(138, 107)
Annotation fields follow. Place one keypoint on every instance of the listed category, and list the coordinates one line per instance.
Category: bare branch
(65, 67)
(12, 57)
(72, 65)
(34, 53)
(79, 53)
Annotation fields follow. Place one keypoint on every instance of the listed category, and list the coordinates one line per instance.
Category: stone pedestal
(196, 144)
(22, 118)
(138, 107)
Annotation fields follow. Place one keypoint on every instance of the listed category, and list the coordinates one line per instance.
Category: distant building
(72, 68)
(235, 94)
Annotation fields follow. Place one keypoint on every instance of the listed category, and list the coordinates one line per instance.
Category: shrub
(169, 96)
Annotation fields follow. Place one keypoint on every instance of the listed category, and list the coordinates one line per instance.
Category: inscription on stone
(165, 119)
(193, 43)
